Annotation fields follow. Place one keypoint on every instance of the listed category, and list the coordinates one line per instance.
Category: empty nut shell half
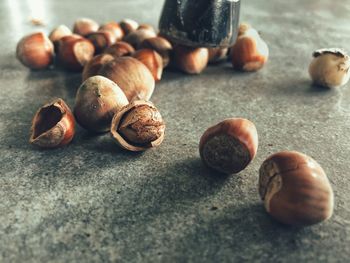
(229, 146)
(53, 125)
(295, 189)
(138, 126)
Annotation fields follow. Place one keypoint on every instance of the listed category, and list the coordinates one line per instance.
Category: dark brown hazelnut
(295, 189)
(74, 52)
(53, 125)
(101, 40)
(138, 126)
(161, 45)
(96, 102)
(152, 60)
(115, 29)
(190, 60)
(120, 49)
(85, 26)
(132, 76)
(95, 64)
(135, 38)
(229, 146)
(35, 51)
(128, 26)
(217, 55)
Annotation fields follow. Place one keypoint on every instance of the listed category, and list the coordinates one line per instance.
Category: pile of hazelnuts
(120, 64)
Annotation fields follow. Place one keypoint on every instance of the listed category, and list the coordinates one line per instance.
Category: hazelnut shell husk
(97, 100)
(161, 45)
(229, 146)
(150, 125)
(35, 51)
(95, 64)
(189, 59)
(152, 60)
(132, 76)
(120, 49)
(295, 189)
(53, 125)
(85, 26)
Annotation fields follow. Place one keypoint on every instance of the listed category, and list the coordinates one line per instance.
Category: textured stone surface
(93, 202)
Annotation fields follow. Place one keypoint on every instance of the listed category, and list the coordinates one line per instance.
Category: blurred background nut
(120, 49)
(97, 100)
(115, 29)
(101, 40)
(229, 146)
(135, 38)
(94, 65)
(330, 67)
(146, 26)
(295, 189)
(128, 25)
(190, 60)
(59, 32)
(35, 51)
(217, 55)
(152, 60)
(53, 125)
(85, 26)
(161, 45)
(132, 76)
(74, 52)
(138, 126)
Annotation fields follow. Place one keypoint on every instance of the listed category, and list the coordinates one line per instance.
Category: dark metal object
(208, 23)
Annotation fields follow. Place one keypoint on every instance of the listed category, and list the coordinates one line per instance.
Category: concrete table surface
(92, 202)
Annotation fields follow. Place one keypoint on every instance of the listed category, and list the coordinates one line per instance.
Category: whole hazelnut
(59, 32)
(128, 25)
(190, 60)
(295, 189)
(217, 55)
(101, 40)
(132, 76)
(229, 146)
(138, 126)
(120, 49)
(53, 125)
(250, 52)
(96, 102)
(115, 29)
(135, 38)
(152, 60)
(330, 67)
(35, 51)
(147, 27)
(95, 64)
(74, 52)
(85, 26)
(161, 45)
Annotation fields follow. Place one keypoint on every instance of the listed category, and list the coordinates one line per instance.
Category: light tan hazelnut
(85, 26)
(128, 26)
(138, 126)
(115, 28)
(330, 68)
(59, 32)
(152, 60)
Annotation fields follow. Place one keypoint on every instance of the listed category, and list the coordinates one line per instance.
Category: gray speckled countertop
(92, 202)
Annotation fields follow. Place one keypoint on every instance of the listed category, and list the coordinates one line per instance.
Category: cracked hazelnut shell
(152, 60)
(120, 49)
(35, 51)
(96, 102)
(53, 125)
(229, 146)
(161, 45)
(85, 26)
(138, 126)
(95, 64)
(295, 189)
(330, 68)
(132, 76)
(190, 60)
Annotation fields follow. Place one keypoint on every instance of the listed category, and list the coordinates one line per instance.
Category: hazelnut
(217, 55)
(95, 64)
(295, 189)
(138, 126)
(115, 29)
(85, 26)
(135, 38)
(229, 146)
(96, 102)
(152, 60)
(74, 52)
(101, 40)
(250, 52)
(161, 45)
(133, 77)
(330, 67)
(120, 49)
(190, 60)
(35, 51)
(59, 32)
(128, 26)
(53, 125)
(147, 27)
(243, 28)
